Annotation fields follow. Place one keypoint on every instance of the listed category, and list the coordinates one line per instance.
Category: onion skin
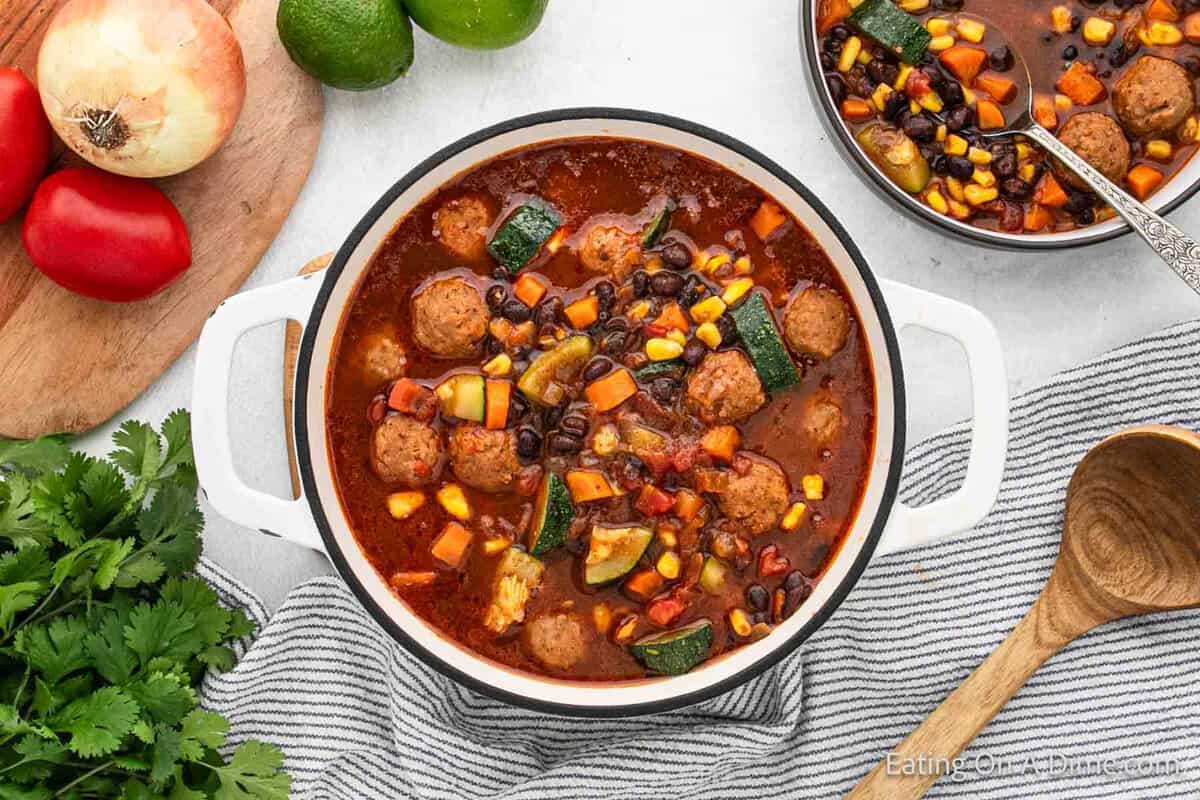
(144, 88)
(105, 236)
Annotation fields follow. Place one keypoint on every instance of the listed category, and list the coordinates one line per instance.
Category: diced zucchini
(893, 28)
(613, 552)
(462, 396)
(551, 516)
(675, 652)
(756, 327)
(659, 368)
(518, 576)
(522, 235)
(896, 155)
(641, 440)
(559, 365)
(712, 575)
(658, 226)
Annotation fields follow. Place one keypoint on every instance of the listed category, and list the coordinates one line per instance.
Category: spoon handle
(1176, 248)
(919, 761)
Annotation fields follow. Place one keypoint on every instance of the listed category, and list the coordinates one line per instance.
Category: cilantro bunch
(104, 637)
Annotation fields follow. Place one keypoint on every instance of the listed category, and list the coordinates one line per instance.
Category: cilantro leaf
(168, 749)
(106, 647)
(170, 527)
(55, 650)
(164, 697)
(165, 629)
(97, 723)
(46, 454)
(138, 451)
(253, 774)
(27, 564)
(179, 462)
(142, 567)
(10, 791)
(202, 731)
(18, 597)
(19, 522)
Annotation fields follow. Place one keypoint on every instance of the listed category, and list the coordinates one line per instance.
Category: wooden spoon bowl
(1131, 545)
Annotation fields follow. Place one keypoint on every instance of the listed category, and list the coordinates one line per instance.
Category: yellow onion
(144, 88)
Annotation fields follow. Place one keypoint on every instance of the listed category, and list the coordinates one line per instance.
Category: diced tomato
(653, 501)
(917, 84)
(772, 562)
(666, 609)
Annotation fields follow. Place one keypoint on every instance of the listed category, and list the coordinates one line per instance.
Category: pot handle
(288, 519)
(914, 526)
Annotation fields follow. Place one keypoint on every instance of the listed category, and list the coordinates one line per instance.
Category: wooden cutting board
(68, 363)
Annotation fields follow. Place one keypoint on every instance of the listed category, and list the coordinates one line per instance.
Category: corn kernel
(668, 565)
(931, 101)
(902, 78)
(605, 440)
(710, 334)
(813, 486)
(1098, 31)
(938, 26)
(969, 97)
(880, 95)
(977, 155)
(1026, 172)
(677, 336)
(736, 290)
(402, 504)
(602, 618)
(955, 187)
(626, 629)
(937, 202)
(865, 57)
(717, 261)
(1162, 34)
(498, 366)
(955, 145)
(1062, 103)
(663, 349)
(959, 211)
(983, 177)
(971, 30)
(1060, 19)
(1024, 151)
(1159, 150)
(939, 43)
(497, 545)
(667, 536)
(850, 51)
(791, 520)
(978, 195)
(942, 132)
(1190, 130)
(638, 310)
(742, 266)
(914, 6)
(913, 108)
(739, 620)
(708, 310)
(454, 500)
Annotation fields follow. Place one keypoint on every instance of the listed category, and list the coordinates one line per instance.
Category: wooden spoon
(1131, 545)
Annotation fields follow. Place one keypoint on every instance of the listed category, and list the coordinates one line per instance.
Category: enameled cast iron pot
(1181, 187)
(316, 520)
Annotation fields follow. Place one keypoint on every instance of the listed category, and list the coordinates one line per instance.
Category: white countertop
(734, 66)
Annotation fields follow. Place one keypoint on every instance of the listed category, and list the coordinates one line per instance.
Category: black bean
(937, 78)
(859, 82)
(666, 284)
(828, 63)
(1001, 59)
(606, 294)
(501, 274)
(1118, 56)
(519, 352)
(596, 369)
(515, 311)
(948, 5)
(615, 343)
(883, 72)
(694, 351)
(549, 311)
(952, 94)
(794, 599)
(560, 444)
(920, 129)
(961, 168)
(575, 425)
(640, 283)
(1192, 65)
(663, 389)
(551, 416)
(495, 297)
(617, 324)
(1015, 188)
(529, 444)
(1070, 53)
(676, 256)
(840, 32)
(693, 291)
(727, 328)
(1086, 217)
(1005, 165)
(493, 346)
(1078, 201)
(960, 117)
(758, 597)
(794, 578)
(893, 105)
(941, 164)
(518, 407)
(833, 45)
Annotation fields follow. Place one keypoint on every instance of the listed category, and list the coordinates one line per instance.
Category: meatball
(555, 639)
(725, 388)
(381, 357)
(461, 225)
(1099, 140)
(406, 451)
(610, 250)
(449, 318)
(822, 420)
(817, 322)
(483, 459)
(1153, 97)
(756, 501)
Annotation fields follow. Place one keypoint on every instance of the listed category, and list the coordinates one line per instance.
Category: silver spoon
(1180, 252)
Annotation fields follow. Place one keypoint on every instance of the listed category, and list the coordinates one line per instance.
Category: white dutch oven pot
(316, 520)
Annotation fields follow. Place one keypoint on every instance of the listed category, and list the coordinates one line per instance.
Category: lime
(478, 24)
(348, 44)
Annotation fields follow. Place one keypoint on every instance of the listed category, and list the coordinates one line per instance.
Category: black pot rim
(852, 153)
(304, 445)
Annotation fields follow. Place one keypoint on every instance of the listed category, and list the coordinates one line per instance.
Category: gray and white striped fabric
(360, 718)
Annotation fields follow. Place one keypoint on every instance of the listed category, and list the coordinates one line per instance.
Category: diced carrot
(1037, 217)
(673, 318)
(1000, 88)
(643, 584)
(687, 504)
(1163, 10)
(964, 62)
(497, 398)
(768, 218)
(990, 115)
(663, 611)
(653, 501)
(1049, 192)
(610, 391)
(401, 580)
(830, 13)
(1143, 180)
(1044, 113)
(721, 442)
(587, 484)
(856, 110)
(1079, 84)
(584, 312)
(529, 289)
(451, 545)
(407, 396)
(1191, 27)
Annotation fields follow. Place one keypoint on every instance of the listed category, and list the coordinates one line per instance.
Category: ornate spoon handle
(1173, 246)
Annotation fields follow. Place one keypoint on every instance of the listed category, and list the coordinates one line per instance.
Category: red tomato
(24, 141)
(105, 236)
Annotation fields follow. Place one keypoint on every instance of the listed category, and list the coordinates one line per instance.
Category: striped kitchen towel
(1115, 715)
